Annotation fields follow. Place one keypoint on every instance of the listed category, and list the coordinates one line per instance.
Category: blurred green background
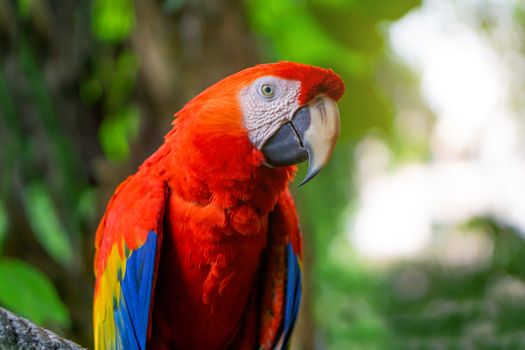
(413, 233)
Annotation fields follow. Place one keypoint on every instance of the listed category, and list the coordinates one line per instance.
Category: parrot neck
(226, 171)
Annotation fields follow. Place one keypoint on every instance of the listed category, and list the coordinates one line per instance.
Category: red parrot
(200, 248)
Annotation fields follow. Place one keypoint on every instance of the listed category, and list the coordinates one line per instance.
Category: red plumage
(225, 222)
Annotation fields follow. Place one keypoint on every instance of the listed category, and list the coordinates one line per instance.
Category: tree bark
(17, 333)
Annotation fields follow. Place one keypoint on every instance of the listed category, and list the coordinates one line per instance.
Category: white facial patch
(268, 103)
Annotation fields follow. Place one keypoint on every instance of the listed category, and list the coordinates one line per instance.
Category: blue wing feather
(132, 311)
(293, 294)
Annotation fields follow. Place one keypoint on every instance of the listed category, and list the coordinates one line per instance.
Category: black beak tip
(310, 174)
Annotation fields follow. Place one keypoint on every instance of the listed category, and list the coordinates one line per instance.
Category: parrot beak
(311, 134)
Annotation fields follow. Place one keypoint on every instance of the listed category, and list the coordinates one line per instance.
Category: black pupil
(268, 89)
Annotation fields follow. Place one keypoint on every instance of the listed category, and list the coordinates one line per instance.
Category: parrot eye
(267, 90)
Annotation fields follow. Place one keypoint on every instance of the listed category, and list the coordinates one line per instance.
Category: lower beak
(311, 134)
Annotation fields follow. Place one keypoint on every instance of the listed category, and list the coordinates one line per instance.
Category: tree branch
(19, 333)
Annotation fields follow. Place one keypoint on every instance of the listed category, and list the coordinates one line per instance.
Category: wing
(127, 246)
(283, 278)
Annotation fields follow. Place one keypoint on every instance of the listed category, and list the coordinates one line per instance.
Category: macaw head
(287, 111)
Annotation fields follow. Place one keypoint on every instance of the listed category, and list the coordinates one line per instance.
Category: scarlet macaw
(200, 248)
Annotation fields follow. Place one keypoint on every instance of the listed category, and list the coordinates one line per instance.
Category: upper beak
(311, 134)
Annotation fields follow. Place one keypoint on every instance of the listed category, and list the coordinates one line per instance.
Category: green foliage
(4, 222)
(41, 121)
(373, 9)
(28, 292)
(24, 8)
(11, 135)
(112, 20)
(304, 40)
(117, 131)
(46, 225)
(116, 77)
(91, 91)
(476, 306)
(41, 176)
(119, 79)
(87, 205)
(430, 303)
(172, 6)
(66, 169)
